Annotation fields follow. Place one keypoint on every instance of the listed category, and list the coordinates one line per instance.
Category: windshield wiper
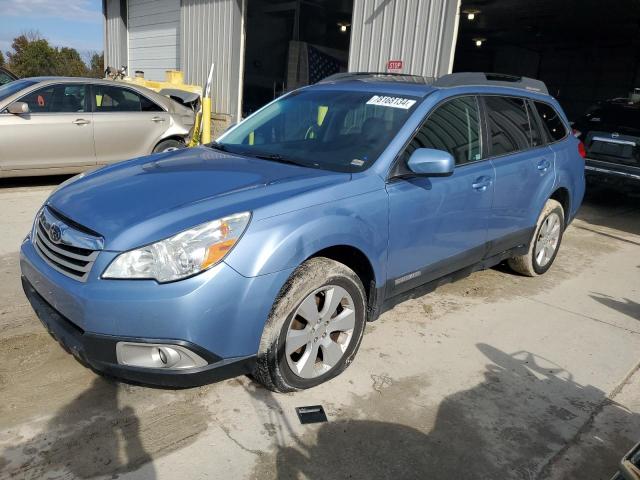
(217, 146)
(274, 157)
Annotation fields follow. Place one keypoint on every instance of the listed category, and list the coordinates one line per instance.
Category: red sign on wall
(394, 65)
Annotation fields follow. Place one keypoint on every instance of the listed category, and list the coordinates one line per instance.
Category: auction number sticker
(393, 102)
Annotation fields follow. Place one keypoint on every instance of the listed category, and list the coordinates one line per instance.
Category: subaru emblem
(55, 233)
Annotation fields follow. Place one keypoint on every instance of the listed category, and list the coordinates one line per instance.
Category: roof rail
(496, 79)
(385, 76)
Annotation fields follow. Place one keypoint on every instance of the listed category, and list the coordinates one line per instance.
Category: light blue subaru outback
(267, 251)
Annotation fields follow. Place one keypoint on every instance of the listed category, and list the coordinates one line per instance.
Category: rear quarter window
(551, 121)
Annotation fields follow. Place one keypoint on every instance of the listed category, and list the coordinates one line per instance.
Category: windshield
(344, 131)
(10, 88)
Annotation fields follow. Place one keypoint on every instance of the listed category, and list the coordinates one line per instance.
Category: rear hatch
(613, 134)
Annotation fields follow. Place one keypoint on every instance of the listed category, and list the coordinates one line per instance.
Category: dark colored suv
(610, 131)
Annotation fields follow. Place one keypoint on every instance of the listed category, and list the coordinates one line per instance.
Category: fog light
(163, 356)
(154, 355)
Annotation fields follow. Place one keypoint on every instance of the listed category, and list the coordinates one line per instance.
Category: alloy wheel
(548, 239)
(320, 331)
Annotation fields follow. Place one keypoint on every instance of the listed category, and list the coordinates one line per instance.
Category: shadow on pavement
(507, 427)
(625, 306)
(25, 182)
(93, 435)
(606, 207)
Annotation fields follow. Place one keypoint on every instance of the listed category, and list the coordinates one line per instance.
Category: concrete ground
(494, 377)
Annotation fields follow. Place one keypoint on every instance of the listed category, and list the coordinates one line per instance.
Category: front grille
(68, 259)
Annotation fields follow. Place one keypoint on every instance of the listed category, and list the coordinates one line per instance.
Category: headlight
(182, 255)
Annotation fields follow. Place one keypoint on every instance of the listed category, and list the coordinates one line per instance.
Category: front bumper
(219, 315)
(98, 352)
(611, 173)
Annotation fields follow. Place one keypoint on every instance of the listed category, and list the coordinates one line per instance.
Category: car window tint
(551, 121)
(508, 124)
(453, 127)
(56, 99)
(116, 99)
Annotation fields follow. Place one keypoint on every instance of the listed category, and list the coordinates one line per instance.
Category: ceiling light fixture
(479, 41)
(344, 27)
(471, 13)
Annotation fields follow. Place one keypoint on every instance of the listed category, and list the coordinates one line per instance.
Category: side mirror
(431, 163)
(18, 108)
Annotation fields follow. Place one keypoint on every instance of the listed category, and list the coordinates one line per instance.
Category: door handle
(544, 165)
(157, 119)
(81, 121)
(481, 183)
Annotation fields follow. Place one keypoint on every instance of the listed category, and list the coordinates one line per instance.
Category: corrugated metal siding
(154, 38)
(212, 31)
(421, 33)
(115, 32)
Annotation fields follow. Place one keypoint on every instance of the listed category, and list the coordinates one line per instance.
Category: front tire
(314, 329)
(545, 243)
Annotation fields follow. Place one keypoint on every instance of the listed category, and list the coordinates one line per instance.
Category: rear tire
(545, 243)
(168, 146)
(327, 337)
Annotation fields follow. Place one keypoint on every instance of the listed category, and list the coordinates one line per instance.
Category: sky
(65, 23)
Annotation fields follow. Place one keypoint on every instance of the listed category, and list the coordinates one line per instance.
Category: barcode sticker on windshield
(393, 102)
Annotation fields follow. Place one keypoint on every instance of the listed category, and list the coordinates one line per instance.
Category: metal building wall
(213, 31)
(115, 32)
(421, 33)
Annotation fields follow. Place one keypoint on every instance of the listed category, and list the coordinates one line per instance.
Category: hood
(144, 200)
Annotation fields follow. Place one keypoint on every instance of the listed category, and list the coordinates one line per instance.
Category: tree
(68, 63)
(31, 58)
(96, 68)
(1, 59)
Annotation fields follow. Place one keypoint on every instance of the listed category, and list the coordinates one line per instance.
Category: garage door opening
(291, 44)
(154, 37)
(585, 51)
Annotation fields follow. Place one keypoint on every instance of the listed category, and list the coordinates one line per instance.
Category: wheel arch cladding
(356, 260)
(562, 196)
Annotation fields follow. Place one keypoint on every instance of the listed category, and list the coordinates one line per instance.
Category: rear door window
(551, 121)
(508, 124)
(116, 99)
(453, 127)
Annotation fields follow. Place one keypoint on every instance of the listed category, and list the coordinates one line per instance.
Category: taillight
(581, 150)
